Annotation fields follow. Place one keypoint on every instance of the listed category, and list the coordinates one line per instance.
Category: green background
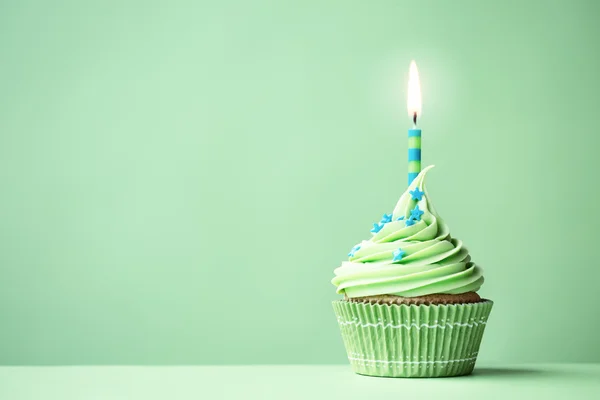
(179, 179)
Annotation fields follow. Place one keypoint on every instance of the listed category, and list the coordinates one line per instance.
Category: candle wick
(415, 119)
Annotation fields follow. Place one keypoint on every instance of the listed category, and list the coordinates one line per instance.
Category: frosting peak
(410, 254)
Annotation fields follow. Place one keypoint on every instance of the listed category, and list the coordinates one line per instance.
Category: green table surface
(547, 381)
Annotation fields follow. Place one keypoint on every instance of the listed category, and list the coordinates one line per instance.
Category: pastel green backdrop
(179, 179)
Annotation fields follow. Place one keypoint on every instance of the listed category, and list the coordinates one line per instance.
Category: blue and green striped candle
(414, 154)
(414, 134)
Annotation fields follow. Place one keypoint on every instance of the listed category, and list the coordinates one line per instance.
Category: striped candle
(414, 110)
(414, 154)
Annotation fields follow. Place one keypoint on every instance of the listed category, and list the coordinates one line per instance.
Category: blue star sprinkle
(416, 213)
(410, 222)
(386, 218)
(354, 250)
(417, 194)
(376, 227)
(400, 218)
(398, 254)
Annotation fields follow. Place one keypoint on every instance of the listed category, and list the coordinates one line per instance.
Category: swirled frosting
(410, 254)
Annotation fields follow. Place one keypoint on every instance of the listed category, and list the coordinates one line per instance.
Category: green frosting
(432, 261)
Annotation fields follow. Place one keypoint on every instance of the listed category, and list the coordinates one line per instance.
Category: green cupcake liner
(412, 341)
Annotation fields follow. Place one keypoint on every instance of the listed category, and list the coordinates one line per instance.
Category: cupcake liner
(412, 341)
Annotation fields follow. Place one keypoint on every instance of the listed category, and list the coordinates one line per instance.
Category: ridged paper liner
(412, 341)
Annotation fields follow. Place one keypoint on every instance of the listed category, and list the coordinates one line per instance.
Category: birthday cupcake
(410, 306)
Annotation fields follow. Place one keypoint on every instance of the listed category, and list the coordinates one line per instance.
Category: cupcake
(410, 306)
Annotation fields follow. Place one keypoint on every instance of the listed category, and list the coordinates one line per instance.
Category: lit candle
(414, 134)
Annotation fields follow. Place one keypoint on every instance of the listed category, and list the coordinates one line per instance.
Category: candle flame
(414, 91)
